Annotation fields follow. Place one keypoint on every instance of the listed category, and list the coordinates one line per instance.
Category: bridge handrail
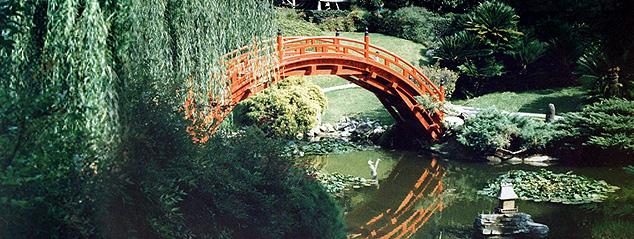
(254, 67)
(292, 46)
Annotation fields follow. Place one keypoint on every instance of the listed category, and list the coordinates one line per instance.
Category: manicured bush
(602, 133)
(492, 131)
(361, 17)
(291, 106)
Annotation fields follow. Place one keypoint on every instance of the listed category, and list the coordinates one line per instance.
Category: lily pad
(546, 186)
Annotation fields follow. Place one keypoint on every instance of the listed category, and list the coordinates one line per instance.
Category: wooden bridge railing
(253, 68)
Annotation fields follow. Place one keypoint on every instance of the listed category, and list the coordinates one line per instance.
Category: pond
(422, 196)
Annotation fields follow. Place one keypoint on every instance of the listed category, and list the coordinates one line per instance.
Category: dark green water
(420, 196)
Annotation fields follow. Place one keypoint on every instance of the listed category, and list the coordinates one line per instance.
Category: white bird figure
(373, 167)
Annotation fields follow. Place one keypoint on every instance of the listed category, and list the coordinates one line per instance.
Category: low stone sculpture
(508, 225)
(507, 222)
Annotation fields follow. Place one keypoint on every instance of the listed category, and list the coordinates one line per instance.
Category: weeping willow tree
(59, 117)
(93, 143)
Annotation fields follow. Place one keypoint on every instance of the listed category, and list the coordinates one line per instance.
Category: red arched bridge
(405, 92)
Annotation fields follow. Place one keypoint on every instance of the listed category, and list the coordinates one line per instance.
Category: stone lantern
(507, 222)
(507, 199)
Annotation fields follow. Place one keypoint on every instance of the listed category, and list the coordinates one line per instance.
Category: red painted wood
(395, 81)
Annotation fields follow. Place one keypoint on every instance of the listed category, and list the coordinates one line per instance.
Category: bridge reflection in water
(403, 204)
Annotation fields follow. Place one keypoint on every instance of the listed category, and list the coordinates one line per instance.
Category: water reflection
(406, 200)
(409, 203)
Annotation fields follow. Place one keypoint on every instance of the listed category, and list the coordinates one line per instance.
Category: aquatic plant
(321, 148)
(336, 183)
(546, 186)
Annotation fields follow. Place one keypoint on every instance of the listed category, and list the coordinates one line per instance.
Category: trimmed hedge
(603, 130)
(491, 131)
(291, 106)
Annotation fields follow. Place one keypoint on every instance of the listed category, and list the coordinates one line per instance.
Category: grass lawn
(327, 81)
(355, 102)
(408, 50)
(411, 51)
(565, 100)
(358, 102)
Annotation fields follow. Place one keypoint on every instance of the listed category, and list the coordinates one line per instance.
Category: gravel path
(456, 108)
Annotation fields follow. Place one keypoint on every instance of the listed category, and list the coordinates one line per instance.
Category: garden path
(339, 87)
(473, 111)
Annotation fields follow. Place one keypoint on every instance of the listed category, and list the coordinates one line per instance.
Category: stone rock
(330, 128)
(313, 132)
(550, 113)
(494, 160)
(508, 225)
(539, 158)
(540, 161)
(364, 129)
(454, 121)
(514, 160)
(323, 128)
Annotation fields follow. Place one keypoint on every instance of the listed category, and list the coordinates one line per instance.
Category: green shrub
(235, 187)
(438, 74)
(361, 18)
(602, 131)
(457, 6)
(291, 106)
(345, 24)
(292, 24)
(368, 4)
(605, 80)
(492, 131)
(344, 20)
(490, 51)
(411, 23)
(318, 17)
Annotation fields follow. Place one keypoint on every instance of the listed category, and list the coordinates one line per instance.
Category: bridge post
(442, 90)
(336, 41)
(367, 44)
(279, 44)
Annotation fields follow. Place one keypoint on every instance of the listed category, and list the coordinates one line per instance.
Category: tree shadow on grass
(425, 60)
(563, 104)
